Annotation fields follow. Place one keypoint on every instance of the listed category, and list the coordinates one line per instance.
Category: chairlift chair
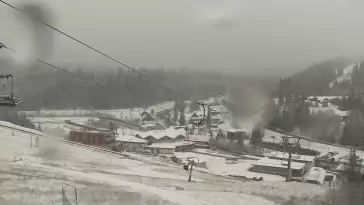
(8, 100)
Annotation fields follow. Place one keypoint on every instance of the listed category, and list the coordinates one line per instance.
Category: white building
(170, 148)
(278, 167)
(309, 161)
(167, 135)
(131, 144)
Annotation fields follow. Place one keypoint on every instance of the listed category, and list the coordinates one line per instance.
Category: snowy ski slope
(33, 175)
(347, 71)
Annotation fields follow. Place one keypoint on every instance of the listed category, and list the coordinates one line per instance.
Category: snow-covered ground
(34, 176)
(119, 113)
(218, 165)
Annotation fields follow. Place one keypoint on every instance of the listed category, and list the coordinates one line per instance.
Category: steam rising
(249, 104)
(36, 39)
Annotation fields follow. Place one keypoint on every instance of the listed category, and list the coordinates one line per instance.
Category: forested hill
(44, 87)
(316, 79)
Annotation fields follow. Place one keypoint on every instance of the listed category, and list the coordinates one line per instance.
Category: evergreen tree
(181, 107)
(287, 122)
(354, 129)
(256, 137)
(288, 93)
(280, 92)
(302, 115)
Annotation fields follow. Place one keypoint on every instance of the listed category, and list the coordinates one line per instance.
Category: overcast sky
(243, 35)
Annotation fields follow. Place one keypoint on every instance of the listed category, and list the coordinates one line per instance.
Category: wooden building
(91, 137)
(131, 143)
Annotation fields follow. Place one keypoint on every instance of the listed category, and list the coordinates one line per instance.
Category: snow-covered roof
(342, 167)
(11, 125)
(158, 134)
(87, 131)
(283, 155)
(209, 101)
(129, 138)
(331, 109)
(165, 138)
(191, 155)
(341, 113)
(316, 174)
(278, 163)
(321, 98)
(198, 138)
(216, 117)
(169, 145)
(148, 125)
(235, 130)
(189, 126)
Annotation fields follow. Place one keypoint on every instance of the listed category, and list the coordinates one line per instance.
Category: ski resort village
(181, 102)
(143, 156)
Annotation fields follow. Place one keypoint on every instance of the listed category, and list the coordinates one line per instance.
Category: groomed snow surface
(34, 175)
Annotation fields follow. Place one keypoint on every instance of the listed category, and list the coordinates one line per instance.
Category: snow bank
(13, 126)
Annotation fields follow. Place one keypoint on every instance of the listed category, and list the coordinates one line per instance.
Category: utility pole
(273, 137)
(186, 167)
(289, 173)
(209, 122)
(286, 145)
(190, 174)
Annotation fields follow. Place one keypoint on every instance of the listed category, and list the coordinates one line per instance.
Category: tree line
(43, 88)
(296, 113)
(316, 79)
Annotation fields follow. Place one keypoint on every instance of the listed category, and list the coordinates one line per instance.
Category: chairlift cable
(109, 57)
(74, 74)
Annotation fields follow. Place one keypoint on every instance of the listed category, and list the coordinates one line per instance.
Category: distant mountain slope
(344, 74)
(316, 80)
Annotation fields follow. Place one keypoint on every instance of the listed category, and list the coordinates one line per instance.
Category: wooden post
(289, 172)
(190, 175)
(76, 196)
